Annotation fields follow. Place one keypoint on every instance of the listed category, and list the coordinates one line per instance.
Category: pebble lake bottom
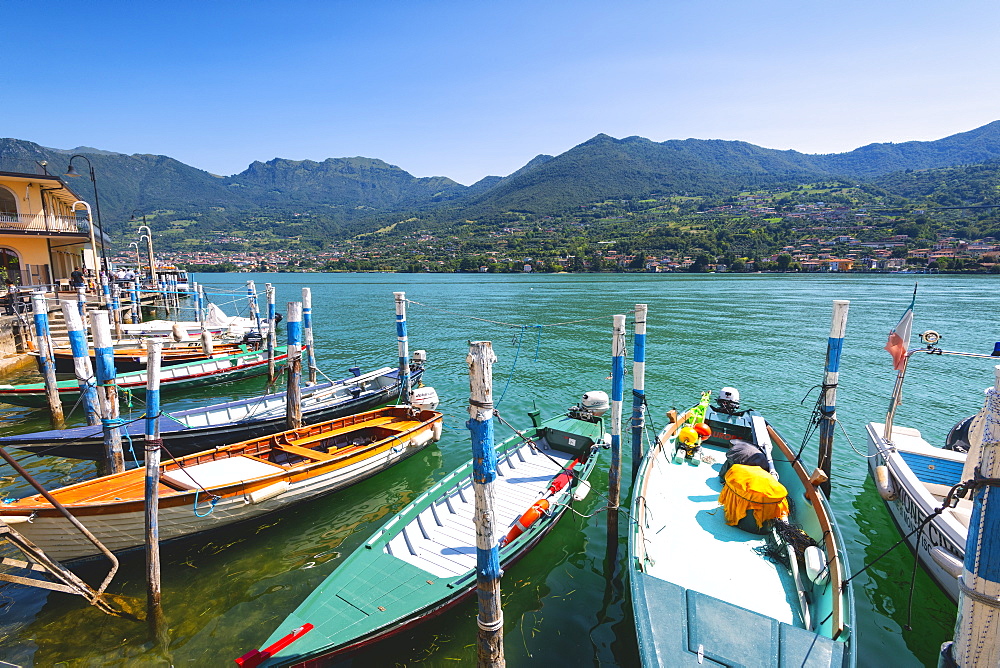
(766, 334)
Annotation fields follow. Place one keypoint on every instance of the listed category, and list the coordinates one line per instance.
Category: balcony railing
(26, 222)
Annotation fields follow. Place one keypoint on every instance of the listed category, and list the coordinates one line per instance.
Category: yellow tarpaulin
(753, 488)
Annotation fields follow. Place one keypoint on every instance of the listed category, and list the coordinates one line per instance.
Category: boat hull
(912, 505)
(423, 560)
(702, 589)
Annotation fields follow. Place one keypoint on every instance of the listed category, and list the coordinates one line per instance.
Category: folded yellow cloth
(753, 488)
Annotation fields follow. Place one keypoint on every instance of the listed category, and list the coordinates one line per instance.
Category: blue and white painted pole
(81, 300)
(107, 391)
(116, 309)
(617, 392)
(105, 287)
(252, 301)
(43, 345)
(976, 632)
(638, 387)
(202, 305)
(81, 361)
(271, 333)
(404, 348)
(136, 303)
(828, 404)
(484, 473)
(153, 443)
(307, 334)
(293, 388)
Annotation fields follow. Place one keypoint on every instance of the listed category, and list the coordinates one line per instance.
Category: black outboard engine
(729, 400)
(253, 340)
(958, 438)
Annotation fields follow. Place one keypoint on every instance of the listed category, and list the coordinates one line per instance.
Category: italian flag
(899, 337)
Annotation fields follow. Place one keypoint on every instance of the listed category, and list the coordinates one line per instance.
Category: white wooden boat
(913, 477)
(703, 592)
(214, 488)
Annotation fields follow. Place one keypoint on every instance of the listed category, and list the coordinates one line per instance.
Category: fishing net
(782, 534)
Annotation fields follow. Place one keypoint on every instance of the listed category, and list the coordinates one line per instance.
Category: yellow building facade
(45, 230)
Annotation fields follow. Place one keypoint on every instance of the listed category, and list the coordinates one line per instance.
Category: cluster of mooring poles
(480, 360)
(99, 395)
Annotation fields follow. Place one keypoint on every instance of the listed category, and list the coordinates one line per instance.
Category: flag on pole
(899, 337)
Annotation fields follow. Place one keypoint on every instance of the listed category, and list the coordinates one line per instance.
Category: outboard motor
(418, 359)
(958, 438)
(596, 402)
(592, 406)
(424, 398)
(729, 400)
(253, 340)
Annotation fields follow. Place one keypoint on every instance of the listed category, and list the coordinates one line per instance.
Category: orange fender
(536, 510)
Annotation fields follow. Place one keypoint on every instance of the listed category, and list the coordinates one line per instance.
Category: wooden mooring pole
(404, 348)
(153, 442)
(271, 333)
(252, 302)
(307, 335)
(81, 300)
(81, 361)
(43, 345)
(107, 391)
(638, 387)
(116, 310)
(293, 386)
(976, 635)
(484, 472)
(136, 304)
(617, 390)
(828, 403)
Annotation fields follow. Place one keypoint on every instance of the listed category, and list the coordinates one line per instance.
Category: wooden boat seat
(320, 436)
(303, 452)
(219, 472)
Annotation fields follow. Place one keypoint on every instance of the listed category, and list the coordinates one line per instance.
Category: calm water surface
(225, 591)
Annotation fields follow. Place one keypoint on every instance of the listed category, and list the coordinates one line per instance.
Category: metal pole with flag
(897, 346)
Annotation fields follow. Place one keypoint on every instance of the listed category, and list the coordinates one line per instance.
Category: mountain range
(356, 194)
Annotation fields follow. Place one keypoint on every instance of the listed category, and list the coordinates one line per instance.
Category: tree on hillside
(784, 261)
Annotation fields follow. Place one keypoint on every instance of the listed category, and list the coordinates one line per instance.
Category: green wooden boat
(225, 369)
(707, 593)
(423, 560)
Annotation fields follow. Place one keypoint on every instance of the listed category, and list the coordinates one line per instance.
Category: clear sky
(468, 88)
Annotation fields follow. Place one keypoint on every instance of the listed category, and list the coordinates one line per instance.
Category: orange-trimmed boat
(216, 487)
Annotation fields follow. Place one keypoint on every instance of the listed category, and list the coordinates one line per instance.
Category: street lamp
(149, 246)
(138, 263)
(71, 171)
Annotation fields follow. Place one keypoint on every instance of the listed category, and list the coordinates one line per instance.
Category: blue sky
(468, 89)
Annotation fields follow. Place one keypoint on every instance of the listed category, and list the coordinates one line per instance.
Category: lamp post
(149, 247)
(71, 171)
(138, 262)
(90, 226)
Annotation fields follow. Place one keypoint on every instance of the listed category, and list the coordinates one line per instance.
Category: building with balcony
(43, 235)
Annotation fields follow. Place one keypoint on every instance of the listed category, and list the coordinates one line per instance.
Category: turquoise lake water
(224, 592)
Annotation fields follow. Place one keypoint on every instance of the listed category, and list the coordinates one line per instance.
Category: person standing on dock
(76, 278)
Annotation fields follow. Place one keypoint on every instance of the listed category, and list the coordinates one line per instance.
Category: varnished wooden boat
(134, 358)
(225, 369)
(196, 429)
(217, 487)
(423, 560)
